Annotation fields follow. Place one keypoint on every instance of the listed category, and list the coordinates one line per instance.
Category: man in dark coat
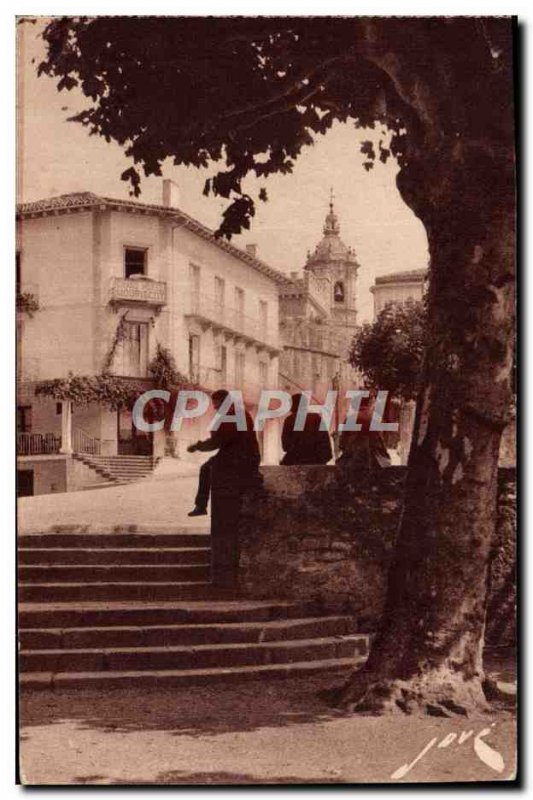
(229, 474)
(309, 446)
(237, 462)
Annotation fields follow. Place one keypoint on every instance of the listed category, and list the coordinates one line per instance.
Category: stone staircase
(118, 469)
(137, 609)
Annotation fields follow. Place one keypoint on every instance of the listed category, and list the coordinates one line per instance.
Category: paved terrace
(160, 503)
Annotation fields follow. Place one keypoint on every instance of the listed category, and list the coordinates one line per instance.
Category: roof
(331, 247)
(88, 201)
(409, 276)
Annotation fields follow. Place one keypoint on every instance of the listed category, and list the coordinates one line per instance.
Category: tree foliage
(245, 96)
(389, 351)
(249, 93)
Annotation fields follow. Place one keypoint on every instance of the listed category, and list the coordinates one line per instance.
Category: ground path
(279, 732)
(160, 502)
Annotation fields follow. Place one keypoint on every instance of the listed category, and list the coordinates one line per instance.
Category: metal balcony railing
(208, 377)
(233, 320)
(138, 289)
(37, 444)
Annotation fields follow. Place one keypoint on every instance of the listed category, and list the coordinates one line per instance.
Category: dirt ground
(280, 732)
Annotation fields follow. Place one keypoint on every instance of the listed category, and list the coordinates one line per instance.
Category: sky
(56, 157)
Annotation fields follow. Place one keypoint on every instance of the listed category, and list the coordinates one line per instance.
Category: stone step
(92, 486)
(170, 678)
(124, 465)
(112, 573)
(123, 462)
(203, 656)
(186, 537)
(118, 472)
(48, 592)
(142, 613)
(104, 555)
(144, 460)
(118, 458)
(184, 634)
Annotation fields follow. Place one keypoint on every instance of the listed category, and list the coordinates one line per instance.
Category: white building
(398, 287)
(93, 262)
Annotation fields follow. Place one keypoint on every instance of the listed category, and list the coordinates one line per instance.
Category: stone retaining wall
(308, 538)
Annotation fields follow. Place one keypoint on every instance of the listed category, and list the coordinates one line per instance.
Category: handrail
(82, 442)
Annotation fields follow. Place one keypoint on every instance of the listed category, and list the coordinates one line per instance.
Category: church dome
(331, 247)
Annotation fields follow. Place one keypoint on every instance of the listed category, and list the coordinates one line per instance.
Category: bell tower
(332, 259)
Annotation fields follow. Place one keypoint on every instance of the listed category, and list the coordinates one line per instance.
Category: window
(263, 373)
(23, 419)
(239, 369)
(18, 349)
(223, 362)
(239, 305)
(19, 273)
(194, 277)
(59, 408)
(194, 357)
(134, 261)
(263, 315)
(220, 290)
(134, 350)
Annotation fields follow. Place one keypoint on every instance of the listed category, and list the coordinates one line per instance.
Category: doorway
(25, 482)
(131, 441)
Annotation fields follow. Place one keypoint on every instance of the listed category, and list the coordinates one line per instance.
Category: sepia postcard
(266, 400)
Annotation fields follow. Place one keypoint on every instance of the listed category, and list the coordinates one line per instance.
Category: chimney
(171, 194)
(251, 249)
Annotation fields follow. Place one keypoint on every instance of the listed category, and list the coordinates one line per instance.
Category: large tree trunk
(428, 653)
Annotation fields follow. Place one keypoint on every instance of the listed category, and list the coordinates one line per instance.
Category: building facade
(93, 264)
(398, 287)
(318, 319)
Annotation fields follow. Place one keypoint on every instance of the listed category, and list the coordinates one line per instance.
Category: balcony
(210, 313)
(208, 378)
(138, 289)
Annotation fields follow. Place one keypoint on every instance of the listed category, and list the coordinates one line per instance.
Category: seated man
(363, 451)
(237, 460)
(309, 446)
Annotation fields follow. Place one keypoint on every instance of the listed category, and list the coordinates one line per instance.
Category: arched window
(338, 292)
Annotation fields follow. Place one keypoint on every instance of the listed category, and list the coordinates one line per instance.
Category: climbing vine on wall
(113, 391)
(120, 334)
(27, 303)
(108, 390)
(163, 370)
